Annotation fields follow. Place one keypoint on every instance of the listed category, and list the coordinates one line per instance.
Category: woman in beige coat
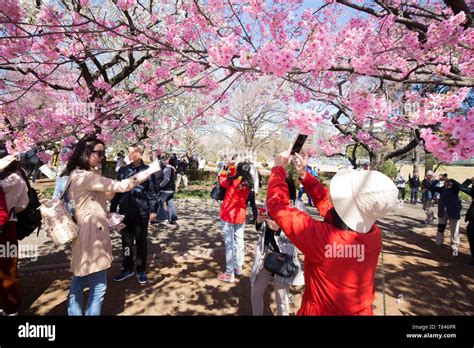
(92, 249)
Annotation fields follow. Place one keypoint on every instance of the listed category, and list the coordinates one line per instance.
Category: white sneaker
(439, 238)
(9, 315)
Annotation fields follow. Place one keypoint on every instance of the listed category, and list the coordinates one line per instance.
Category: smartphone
(298, 144)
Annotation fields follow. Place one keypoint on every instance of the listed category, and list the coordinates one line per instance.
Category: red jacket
(4, 213)
(234, 206)
(335, 284)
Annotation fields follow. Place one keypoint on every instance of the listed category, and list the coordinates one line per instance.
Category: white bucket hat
(5, 161)
(362, 197)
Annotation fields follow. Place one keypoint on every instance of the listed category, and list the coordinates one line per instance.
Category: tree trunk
(376, 160)
(416, 161)
(353, 157)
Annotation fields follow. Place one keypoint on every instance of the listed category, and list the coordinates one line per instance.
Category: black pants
(136, 230)
(401, 193)
(470, 236)
(32, 170)
(253, 205)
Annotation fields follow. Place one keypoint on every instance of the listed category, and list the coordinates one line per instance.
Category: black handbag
(280, 264)
(218, 192)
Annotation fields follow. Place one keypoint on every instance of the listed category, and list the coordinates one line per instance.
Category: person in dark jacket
(167, 188)
(414, 183)
(470, 215)
(33, 163)
(136, 205)
(182, 172)
(449, 209)
(427, 193)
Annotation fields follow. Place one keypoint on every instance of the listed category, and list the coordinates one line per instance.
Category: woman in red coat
(341, 252)
(238, 184)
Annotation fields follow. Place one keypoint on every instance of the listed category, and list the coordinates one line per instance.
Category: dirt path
(420, 277)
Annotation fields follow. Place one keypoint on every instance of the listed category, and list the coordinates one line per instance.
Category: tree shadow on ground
(422, 278)
(184, 262)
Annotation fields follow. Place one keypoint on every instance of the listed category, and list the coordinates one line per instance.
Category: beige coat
(92, 249)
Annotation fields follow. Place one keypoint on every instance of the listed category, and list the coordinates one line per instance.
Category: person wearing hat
(15, 192)
(339, 280)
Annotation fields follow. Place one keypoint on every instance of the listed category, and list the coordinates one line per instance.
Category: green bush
(465, 196)
(389, 169)
(202, 175)
(46, 193)
(325, 177)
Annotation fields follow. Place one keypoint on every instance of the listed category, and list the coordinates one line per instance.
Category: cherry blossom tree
(73, 66)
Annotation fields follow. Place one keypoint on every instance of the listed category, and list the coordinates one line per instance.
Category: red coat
(4, 213)
(335, 284)
(234, 206)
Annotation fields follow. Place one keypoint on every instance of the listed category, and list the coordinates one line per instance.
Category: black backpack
(29, 219)
(218, 192)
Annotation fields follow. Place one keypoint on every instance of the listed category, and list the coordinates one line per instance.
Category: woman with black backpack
(14, 192)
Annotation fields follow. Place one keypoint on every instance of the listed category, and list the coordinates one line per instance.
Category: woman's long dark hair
(337, 221)
(80, 157)
(243, 170)
(291, 187)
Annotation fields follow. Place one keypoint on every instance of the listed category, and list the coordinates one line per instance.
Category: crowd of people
(340, 252)
(443, 192)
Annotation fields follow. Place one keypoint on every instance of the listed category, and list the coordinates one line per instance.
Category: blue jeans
(413, 195)
(300, 195)
(234, 245)
(97, 285)
(61, 182)
(167, 197)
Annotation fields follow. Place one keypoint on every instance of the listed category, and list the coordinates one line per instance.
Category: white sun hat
(5, 161)
(362, 197)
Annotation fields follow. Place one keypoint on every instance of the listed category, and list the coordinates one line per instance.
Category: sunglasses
(100, 153)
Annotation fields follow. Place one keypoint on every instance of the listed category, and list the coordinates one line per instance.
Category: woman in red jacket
(233, 211)
(341, 252)
(13, 199)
